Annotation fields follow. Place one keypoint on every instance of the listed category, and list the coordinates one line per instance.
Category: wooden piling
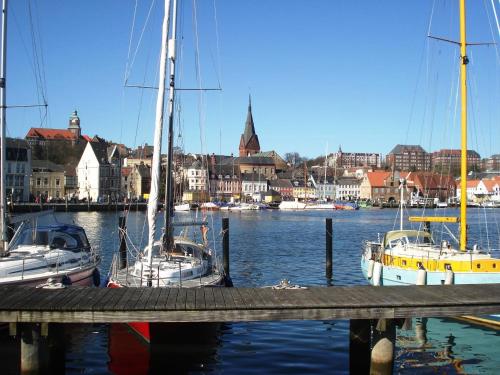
(122, 225)
(329, 247)
(225, 245)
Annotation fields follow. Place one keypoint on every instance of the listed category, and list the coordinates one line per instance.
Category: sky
(321, 74)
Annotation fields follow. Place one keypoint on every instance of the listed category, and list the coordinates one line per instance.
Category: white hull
(292, 205)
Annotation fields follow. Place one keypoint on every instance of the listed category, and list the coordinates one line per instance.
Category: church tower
(249, 142)
(74, 125)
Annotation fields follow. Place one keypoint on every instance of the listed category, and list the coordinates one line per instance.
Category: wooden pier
(105, 305)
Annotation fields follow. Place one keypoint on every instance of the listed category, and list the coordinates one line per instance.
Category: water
(266, 247)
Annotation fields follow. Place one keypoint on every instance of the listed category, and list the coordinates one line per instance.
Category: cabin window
(494, 265)
(478, 265)
(404, 262)
(398, 277)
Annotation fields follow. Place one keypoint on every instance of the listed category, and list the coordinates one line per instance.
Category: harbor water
(266, 247)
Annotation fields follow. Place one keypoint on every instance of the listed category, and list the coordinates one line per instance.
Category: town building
(140, 181)
(99, 172)
(380, 186)
(224, 183)
(347, 188)
(448, 161)
(46, 136)
(303, 190)
(253, 184)
(70, 181)
(430, 185)
(249, 141)
(197, 177)
(283, 186)
(17, 175)
(409, 158)
(492, 163)
(355, 159)
(47, 180)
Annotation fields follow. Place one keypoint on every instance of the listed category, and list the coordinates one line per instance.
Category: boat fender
(377, 273)
(421, 276)
(371, 264)
(450, 276)
(96, 277)
(65, 280)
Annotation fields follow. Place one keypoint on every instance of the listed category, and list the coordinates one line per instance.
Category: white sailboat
(39, 254)
(169, 261)
(404, 257)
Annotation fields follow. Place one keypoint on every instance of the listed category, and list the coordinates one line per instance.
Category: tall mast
(169, 200)
(155, 167)
(463, 164)
(3, 104)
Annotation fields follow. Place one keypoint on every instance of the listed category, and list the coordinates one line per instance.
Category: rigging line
(496, 17)
(201, 117)
(217, 45)
(140, 40)
(37, 57)
(130, 42)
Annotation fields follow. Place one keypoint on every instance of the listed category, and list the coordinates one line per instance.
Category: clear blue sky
(360, 74)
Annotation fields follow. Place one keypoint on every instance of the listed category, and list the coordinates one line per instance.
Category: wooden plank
(162, 298)
(127, 299)
(172, 297)
(218, 298)
(239, 302)
(15, 295)
(247, 298)
(228, 298)
(113, 296)
(153, 298)
(142, 301)
(200, 298)
(190, 298)
(87, 295)
(209, 298)
(180, 302)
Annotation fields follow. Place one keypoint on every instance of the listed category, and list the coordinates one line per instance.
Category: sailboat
(39, 255)
(404, 257)
(167, 262)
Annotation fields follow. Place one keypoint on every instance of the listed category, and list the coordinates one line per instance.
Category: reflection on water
(265, 248)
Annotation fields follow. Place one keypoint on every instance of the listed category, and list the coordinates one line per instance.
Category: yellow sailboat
(412, 257)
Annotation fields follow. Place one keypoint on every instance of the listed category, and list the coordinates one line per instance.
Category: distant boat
(346, 206)
(441, 205)
(182, 207)
(320, 205)
(406, 256)
(292, 205)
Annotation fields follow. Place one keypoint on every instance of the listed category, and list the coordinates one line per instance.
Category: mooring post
(329, 247)
(384, 338)
(225, 245)
(359, 346)
(66, 202)
(122, 227)
(34, 349)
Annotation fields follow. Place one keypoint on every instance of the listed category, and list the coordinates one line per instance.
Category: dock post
(225, 245)
(122, 227)
(359, 346)
(34, 349)
(66, 202)
(329, 248)
(382, 357)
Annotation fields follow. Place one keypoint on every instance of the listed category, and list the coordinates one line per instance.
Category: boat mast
(463, 164)
(155, 167)
(3, 104)
(169, 199)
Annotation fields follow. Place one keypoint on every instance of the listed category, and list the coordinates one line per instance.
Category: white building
(197, 177)
(253, 183)
(17, 175)
(348, 188)
(99, 172)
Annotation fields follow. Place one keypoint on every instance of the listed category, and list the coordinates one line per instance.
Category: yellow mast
(463, 164)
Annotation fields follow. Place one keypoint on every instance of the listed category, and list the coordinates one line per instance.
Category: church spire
(249, 143)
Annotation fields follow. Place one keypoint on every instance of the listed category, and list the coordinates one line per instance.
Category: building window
(45, 181)
(58, 181)
(38, 181)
